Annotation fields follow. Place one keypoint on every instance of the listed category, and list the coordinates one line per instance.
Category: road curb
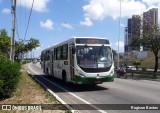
(52, 93)
(140, 78)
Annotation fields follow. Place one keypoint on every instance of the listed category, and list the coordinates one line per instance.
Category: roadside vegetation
(10, 71)
(150, 38)
(21, 46)
(9, 76)
(16, 86)
(145, 65)
(29, 92)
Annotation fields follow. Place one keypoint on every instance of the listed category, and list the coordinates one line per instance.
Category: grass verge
(29, 92)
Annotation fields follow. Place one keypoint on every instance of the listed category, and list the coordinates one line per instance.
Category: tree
(32, 44)
(20, 46)
(137, 63)
(4, 42)
(151, 39)
(23, 47)
(114, 52)
(126, 58)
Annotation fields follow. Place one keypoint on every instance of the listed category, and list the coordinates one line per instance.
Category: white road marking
(102, 111)
(57, 97)
(50, 91)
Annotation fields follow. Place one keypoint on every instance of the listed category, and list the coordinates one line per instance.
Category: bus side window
(55, 54)
(65, 52)
(48, 56)
(45, 56)
(59, 53)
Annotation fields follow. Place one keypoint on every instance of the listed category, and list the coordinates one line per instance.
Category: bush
(25, 61)
(144, 69)
(9, 76)
(137, 63)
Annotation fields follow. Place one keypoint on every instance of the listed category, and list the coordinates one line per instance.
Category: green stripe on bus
(91, 80)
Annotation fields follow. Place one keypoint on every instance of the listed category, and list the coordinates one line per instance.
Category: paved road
(121, 91)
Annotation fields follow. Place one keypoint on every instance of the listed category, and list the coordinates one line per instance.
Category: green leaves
(4, 42)
(137, 62)
(150, 38)
(9, 76)
(21, 46)
(25, 46)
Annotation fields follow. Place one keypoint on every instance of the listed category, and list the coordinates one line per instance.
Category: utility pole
(119, 33)
(12, 50)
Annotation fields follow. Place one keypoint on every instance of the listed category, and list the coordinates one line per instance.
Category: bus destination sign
(91, 41)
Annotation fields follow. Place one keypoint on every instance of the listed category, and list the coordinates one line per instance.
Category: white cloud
(151, 2)
(94, 11)
(159, 13)
(6, 11)
(67, 25)
(39, 5)
(86, 22)
(39, 47)
(121, 46)
(100, 9)
(37, 51)
(48, 24)
(122, 25)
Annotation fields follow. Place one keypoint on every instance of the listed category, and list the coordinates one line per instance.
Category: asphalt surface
(111, 97)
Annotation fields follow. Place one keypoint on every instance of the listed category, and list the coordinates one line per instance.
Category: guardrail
(142, 72)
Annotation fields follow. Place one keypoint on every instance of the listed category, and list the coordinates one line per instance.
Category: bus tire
(94, 85)
(64, 77)
(125, 76)
(118, 75)
(47, 73)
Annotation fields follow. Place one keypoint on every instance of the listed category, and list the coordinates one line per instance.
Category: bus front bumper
(93, 80)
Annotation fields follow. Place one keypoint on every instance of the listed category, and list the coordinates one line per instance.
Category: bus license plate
(98, 82)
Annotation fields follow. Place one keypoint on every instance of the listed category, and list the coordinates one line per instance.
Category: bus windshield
(94, 56)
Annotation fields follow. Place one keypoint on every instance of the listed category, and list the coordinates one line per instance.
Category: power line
(29, 20)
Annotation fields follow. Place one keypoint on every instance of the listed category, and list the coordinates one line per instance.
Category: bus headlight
(112, 73)
(80, 73)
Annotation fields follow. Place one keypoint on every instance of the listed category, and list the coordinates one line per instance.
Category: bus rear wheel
(64, 77)
(47, 73)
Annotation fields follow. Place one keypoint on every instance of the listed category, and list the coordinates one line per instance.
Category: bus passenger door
(71, 54)
(52, 63)
(43, 63)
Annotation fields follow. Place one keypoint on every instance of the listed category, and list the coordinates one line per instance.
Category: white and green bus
(80, 60)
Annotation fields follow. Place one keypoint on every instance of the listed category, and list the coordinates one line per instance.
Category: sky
(54, 21)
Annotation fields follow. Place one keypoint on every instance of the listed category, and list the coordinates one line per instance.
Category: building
(150, 17)
(132, 31)
(134, 28)
(126, 39)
